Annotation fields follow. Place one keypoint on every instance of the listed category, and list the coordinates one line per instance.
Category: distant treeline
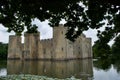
(3, 51)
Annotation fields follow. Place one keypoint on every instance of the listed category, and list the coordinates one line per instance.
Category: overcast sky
(45, 31)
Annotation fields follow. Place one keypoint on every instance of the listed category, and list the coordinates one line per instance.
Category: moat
(86, 69)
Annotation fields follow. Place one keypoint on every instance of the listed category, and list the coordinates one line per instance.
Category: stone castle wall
(47, 47)
(31, 46)
(59, 42)
(15, 47)
(57, 48)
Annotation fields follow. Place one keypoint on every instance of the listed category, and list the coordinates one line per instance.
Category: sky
(45, 31)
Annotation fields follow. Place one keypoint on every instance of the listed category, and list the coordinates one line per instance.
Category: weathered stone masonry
(57, 48)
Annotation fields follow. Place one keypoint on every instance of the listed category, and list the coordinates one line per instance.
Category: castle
(57, 48)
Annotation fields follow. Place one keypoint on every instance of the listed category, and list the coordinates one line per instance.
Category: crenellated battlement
(46, 40)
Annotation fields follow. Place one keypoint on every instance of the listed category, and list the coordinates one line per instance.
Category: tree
(15, 14)
(116, 48)
(3, 50)
(101, 51)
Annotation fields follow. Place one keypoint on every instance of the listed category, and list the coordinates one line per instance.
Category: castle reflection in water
(82, 69)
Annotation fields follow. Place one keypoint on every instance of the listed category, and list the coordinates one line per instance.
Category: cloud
(4, 35)
(92, 34)
(45, 31)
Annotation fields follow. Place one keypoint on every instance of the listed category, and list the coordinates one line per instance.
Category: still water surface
(82, 69)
